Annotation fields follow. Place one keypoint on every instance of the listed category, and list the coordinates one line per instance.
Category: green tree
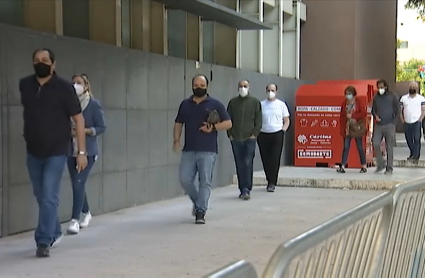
(408, 71)
(418, 5)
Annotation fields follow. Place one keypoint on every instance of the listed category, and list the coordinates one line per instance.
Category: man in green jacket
(245, 113)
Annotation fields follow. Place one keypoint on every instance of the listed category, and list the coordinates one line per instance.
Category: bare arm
(286, 123)
(401, 114)
(422, 113)
(80, 132)
(177, 132)
(224, 125)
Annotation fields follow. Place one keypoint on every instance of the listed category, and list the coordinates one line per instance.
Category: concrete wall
(349, 40)
(140, 93)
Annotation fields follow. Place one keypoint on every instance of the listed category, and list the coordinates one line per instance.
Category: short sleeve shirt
(273, 114)
(412, 107)
(47, 112)
(193, 115)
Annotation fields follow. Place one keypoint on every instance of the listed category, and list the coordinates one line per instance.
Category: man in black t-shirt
(49, 103)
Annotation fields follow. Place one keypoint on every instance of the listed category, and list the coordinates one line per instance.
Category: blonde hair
(86, 82)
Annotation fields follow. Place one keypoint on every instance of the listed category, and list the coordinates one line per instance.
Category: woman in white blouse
(270, 140)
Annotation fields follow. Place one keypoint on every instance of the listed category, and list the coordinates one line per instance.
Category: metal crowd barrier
(242, 269)
(382, 238)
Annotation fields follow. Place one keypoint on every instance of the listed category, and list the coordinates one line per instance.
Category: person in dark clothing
(49, 102)
(200, 143)
(386, 110)
(245, 113)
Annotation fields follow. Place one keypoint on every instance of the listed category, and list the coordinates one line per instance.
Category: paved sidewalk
(160, 240)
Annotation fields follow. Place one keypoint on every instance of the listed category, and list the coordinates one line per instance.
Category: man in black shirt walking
(49, 103)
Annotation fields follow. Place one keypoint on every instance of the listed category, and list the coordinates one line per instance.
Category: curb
(379, 185)
(407, 164)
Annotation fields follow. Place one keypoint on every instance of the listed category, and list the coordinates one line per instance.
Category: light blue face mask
(349, 97)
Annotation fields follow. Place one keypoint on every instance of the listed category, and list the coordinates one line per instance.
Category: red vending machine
(318, 142)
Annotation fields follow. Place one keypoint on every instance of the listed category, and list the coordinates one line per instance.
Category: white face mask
(79, 89)
(271, 95)
(243, 92)
(381, 91)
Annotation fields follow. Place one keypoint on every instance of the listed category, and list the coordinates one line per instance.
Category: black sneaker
(245, 195)
(200, 217)
(340, 170)
(42, 251)
(388, 171)
(271, 188)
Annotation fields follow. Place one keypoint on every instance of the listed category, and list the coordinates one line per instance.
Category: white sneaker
(85, 220)
(74, 227)
(56, 241)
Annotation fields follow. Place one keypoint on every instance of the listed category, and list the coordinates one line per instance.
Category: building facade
(285, 42)
(246, 34)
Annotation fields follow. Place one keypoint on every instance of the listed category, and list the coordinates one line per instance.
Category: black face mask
(199, 92)
(412, 91)
(42, 70)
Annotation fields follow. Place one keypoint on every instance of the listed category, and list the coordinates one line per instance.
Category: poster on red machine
(317, 132)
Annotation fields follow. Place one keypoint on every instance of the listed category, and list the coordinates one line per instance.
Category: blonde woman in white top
(270, 140)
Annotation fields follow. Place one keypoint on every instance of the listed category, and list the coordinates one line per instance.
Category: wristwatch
(82, 153)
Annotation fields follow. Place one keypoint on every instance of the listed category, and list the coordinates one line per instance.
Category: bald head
(413, 88)
(413, 85)
(200, 81)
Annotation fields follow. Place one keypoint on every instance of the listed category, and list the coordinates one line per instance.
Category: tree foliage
(408, 71)
(418, 5)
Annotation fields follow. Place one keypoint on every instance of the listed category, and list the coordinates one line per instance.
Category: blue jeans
(201, 163)
(46, 175)
(346, 151)
(78, 181)
(244, 153)
(413, 138)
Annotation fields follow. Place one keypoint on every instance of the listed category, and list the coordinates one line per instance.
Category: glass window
(404, 44)
(126, 23)
(176, 33)
(75, 16)
(11, 12)
(208, 41)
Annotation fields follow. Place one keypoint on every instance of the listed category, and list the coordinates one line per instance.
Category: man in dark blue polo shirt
(49, 103)
(200, 148)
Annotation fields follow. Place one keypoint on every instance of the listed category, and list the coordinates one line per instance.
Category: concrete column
(43, 15)
(192, 37)
(271, 41)
(291, 41)
(249, 41)
(105, 21)
(225, 38)
(158, 28)
(141, 24)
(289, 48)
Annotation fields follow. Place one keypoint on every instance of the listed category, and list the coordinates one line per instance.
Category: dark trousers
(45, 175)
(413, 138)
(244, 152)
(270, 145)
(346, 151)
(78, 180)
